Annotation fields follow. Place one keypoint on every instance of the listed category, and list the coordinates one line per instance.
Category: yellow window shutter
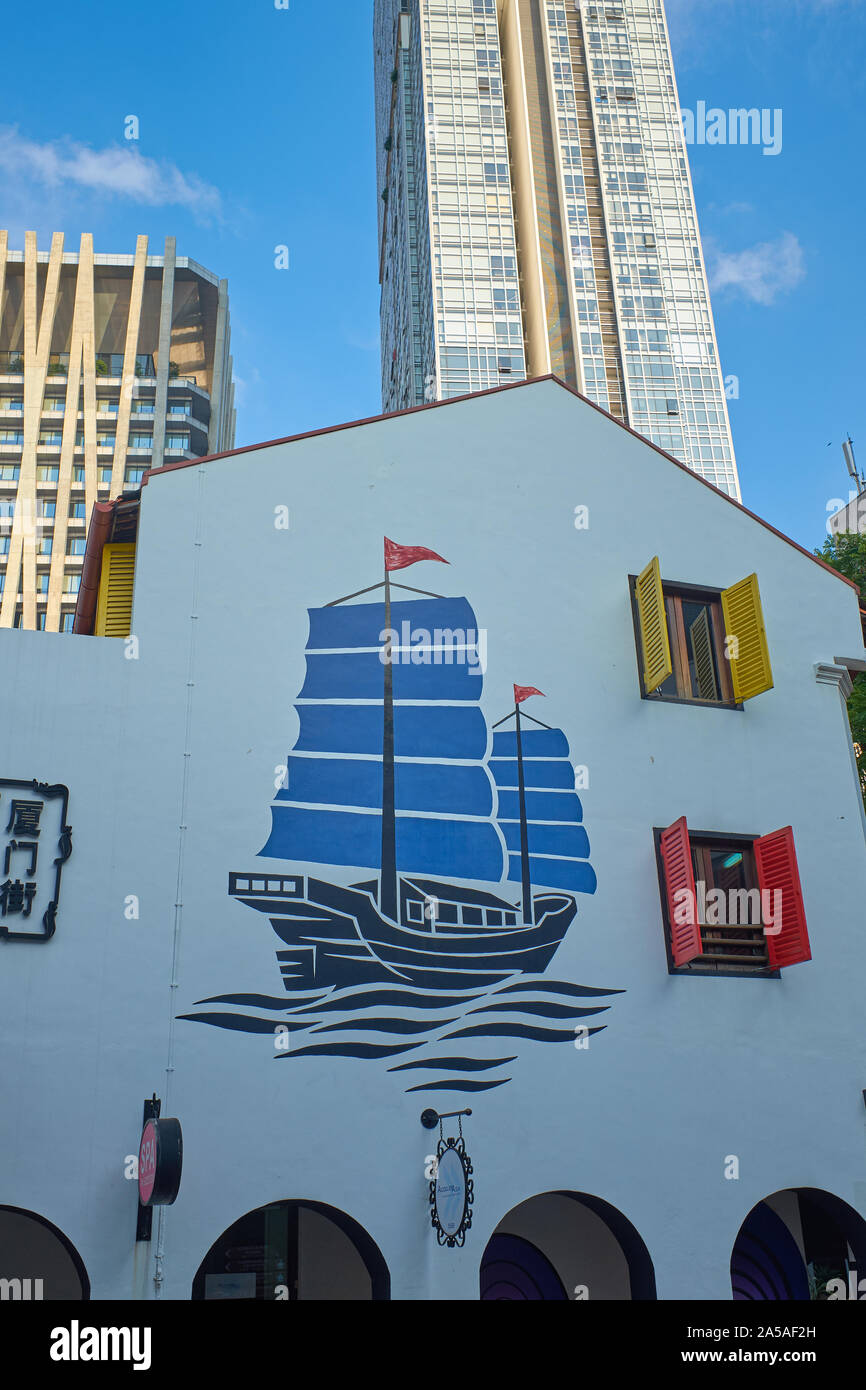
(114, 601)
(747, 641)
(655, 643)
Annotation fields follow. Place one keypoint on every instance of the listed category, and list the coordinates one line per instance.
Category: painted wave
(448, 1040)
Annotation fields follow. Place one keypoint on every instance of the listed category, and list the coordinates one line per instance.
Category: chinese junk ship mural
(474, 844)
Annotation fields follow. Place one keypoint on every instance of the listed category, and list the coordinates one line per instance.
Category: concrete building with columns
(110, 364)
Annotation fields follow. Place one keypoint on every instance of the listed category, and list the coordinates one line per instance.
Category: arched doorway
(566, 1245)
(37, 1261)
(794, 1243)
(294, 1250)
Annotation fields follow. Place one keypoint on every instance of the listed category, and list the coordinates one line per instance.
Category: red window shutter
(686, 941)
(777, 870)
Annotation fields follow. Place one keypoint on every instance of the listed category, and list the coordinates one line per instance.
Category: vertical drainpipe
(186, 772)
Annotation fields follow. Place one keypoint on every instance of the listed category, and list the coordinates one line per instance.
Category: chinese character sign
(35, 842)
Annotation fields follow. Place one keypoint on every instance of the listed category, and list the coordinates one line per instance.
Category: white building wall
(170, 761)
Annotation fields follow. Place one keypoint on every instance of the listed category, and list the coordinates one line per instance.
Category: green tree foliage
(846, 552)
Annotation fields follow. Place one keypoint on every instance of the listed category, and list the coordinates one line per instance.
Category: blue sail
(558, 842)
(344, 626)
(330, 810)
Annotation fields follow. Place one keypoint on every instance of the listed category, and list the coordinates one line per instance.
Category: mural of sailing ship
(475, 837)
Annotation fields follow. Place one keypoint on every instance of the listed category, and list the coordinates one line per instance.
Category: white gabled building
(304, 894)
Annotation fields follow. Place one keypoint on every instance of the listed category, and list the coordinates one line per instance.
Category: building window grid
(652, 152)
(462, 238)
(457, 237)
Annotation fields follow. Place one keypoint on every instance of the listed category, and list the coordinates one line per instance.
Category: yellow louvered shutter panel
(655, 643)
(751, 672)
(114, 602)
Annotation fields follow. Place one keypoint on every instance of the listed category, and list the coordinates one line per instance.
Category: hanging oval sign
(452, 1192)
(160, 1160)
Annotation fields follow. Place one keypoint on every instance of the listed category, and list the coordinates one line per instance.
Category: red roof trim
(97, 538)
(494, 391)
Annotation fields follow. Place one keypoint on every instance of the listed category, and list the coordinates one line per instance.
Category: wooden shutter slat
(776, 861)
(676, 851)
(116, 582)
(655, 642)
(751, 672)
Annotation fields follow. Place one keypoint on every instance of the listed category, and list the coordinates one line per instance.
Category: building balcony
(188, 382)
(110, 364)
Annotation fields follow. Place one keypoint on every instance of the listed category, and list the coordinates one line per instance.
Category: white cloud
(116, 171)
(761, 272)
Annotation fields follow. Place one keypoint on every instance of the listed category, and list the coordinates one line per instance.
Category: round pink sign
(147, 1157)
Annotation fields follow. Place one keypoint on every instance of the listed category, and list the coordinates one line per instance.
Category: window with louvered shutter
(655, 643)
(748, 916)
(778, 873)
(685, 935)
(681, 641)
(747, 640)
(114, 601)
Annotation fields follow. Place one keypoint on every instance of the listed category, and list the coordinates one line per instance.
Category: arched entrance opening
(794, 1244)
(294, 1250)
(37, 1261)
(566, 1245)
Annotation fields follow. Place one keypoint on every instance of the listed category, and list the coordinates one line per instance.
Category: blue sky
(256, 131)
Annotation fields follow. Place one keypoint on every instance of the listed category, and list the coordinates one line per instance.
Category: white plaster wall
(688, 1070)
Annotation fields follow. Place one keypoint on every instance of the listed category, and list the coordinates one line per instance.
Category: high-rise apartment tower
(109, 365)
(536, 215)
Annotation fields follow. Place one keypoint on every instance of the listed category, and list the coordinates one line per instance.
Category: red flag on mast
(523, 692)
(398, 557)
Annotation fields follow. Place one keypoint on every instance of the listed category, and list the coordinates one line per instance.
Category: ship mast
(396, 557)
(524, 831)
(388, 878)
(521, 693)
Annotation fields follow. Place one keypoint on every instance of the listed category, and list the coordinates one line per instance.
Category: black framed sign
(35, 843)
(452, 1192)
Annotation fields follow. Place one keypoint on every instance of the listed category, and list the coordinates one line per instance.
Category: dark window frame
(698, 966)
(696, 593)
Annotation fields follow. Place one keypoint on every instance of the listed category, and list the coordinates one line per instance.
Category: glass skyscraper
(536, 215)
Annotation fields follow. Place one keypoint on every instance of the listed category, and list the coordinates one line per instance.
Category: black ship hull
(337, 937)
